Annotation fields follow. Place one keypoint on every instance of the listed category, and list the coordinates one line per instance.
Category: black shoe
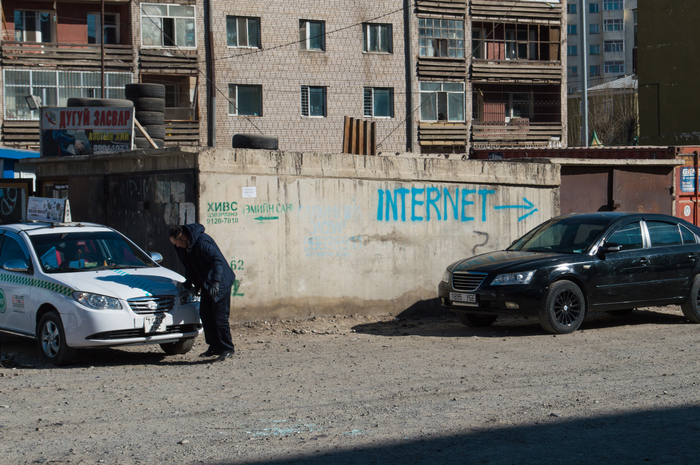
(209, 353)
(225, 354)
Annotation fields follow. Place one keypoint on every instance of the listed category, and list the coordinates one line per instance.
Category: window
(55, 88)
(594, 50)
(111, 30)
(628, 236)
(573, 71)
(167, 25)
(376, 38)
(594, 8)
(613, 5)
(611, 25)
(244, 100)
(614, 67)
(688, 237)
(614, 46)
(571, 8)
(313, 101)
(12, 250)
(442, 101)
(242, 32)
(312, 35)
(33, 26)
(498, 41)
(634, 19)
(664, 234)
(571, 90)
(595, 70)
(572, 50)
(441, 38)
(594, 29)
(379, 102)
(571, 29)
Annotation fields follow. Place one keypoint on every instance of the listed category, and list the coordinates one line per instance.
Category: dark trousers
(214, 316)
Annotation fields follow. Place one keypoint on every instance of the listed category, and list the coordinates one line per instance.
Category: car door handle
(644, 261)
(693, 257)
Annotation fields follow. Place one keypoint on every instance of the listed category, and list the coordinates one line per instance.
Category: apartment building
(611, 41)
(433, 76)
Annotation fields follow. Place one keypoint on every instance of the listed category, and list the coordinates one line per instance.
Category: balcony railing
(519, 132)
(18, 53)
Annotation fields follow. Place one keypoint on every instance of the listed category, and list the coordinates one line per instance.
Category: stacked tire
(149, 111)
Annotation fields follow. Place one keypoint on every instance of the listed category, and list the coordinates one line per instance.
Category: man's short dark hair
(177, 231)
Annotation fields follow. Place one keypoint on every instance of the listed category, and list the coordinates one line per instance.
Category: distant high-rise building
(611, 36)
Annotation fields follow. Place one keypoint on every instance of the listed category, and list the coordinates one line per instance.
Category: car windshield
(565, 235)
(81, 251)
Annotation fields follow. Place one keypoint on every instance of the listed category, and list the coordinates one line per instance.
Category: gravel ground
(358, 390)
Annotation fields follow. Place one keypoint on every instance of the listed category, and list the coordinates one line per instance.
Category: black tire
(154, 131)
(147, 118)
(476, 321)
(563, 308)
(254, 141)
(180, 347)
(623, 312)
(134, 91)
(149, 104)
(99, 102)
(142, 143)
(51, 339)
(691, 307)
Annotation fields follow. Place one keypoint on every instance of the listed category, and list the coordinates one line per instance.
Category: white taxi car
(78, 285)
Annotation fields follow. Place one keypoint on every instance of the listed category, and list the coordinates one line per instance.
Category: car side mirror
(610, 247)
(156, 257)
(16, 265)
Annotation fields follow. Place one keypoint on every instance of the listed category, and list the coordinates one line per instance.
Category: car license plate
(462, 297)
(154, 323)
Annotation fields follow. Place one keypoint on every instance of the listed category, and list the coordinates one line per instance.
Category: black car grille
(139, 332)
(153, 304)
(467, 281)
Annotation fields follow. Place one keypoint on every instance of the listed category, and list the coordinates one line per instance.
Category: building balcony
(47, 55)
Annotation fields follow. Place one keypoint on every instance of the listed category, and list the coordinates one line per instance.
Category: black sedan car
(575, 264)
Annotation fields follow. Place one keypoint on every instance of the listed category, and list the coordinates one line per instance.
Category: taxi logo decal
(27, 281)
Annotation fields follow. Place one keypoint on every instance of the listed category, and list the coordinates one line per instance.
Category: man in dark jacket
(207, 271)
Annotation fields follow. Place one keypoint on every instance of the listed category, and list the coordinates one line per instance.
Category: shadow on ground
(449, 326)
(655, 437)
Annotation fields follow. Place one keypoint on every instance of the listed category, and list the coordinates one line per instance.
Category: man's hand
(214, 290)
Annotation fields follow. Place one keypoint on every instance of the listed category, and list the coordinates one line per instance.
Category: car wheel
(476, 321)
(51, 339)
(180, 347)
(624, 312)
(564, 308)
(691, 307)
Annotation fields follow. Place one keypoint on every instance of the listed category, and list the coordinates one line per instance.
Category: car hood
(124, 283)
(506, 260)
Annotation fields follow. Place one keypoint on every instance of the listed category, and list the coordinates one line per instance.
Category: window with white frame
(55, 88)
(614, 45)
(379, 102)
(313, 101)
(242, 32)
(376, 38)
(33, 26)
(612, 25)
(244, 100)
(442, 101)
(594, 50)
(312, 35)
(572, 29)
(110, 32)
(613, 5)
(614, 67)
(594, 29)
(440, 38)
(572, 50)
(594, 8)
(164, 25)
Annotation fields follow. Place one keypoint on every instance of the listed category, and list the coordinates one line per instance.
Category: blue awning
(17, 154)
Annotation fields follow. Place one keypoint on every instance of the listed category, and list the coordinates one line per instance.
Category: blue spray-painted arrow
(528, 206)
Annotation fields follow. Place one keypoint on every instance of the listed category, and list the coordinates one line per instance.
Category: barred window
(313, 101)
(379, 102)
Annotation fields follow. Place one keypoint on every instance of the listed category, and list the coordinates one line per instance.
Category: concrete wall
(338, 234)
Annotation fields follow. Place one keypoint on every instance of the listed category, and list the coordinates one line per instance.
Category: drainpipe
(584, 65)
(211, 104)
(102, 46)
(407, 15)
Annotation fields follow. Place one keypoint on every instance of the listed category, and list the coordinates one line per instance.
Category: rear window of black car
(664, 234)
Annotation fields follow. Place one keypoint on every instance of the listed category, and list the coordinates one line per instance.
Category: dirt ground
(358, 390)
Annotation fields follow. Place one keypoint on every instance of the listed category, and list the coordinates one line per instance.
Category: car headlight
(96, 301)
(447, 277)
(523, 277)
(188, 298)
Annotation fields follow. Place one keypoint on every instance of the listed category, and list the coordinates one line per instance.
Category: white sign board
(51, 210)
